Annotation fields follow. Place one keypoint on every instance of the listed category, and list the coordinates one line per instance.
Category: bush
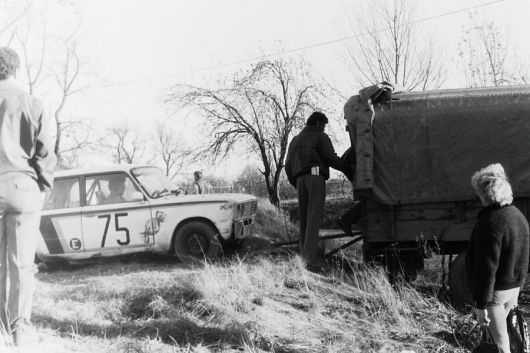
(333, 209)
(273, 223)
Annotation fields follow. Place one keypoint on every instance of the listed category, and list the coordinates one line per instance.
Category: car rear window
(65, 194)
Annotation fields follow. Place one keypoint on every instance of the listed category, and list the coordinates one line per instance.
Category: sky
(135, 50)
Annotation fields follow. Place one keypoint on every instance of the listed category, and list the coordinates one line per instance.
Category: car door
(116, 217)
(60, 223)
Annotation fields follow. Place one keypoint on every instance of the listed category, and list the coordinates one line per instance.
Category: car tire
(196, 241)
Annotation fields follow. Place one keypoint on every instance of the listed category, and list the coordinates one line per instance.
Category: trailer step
(333, 235)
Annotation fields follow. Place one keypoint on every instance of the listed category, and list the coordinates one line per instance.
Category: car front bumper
(243, 228)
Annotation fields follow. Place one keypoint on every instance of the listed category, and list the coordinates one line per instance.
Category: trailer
(415, 155)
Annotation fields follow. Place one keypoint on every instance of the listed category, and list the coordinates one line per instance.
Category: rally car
(127, 209)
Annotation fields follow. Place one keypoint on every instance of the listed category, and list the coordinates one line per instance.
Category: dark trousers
(311, 197)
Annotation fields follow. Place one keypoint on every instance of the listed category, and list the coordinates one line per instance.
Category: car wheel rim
(197, 244)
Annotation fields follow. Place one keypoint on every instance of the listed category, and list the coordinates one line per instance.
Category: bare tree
(170, 149)
(32, 69)
(66, 77)
(76, 139)
(258, 112)
(65, 71)
(124, 143)
(521, 73)
(49, 63)
(486, 57)
(11, 12)
(53, 64)
(388, 47)
(250, 181)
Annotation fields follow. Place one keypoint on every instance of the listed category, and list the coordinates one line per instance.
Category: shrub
(333, 208)
(273, 223)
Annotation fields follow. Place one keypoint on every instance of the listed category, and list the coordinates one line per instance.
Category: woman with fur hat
(497, 254)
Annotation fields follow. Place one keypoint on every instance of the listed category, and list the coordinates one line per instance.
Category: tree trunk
(273, 190)
(56, 148)
(274, 196)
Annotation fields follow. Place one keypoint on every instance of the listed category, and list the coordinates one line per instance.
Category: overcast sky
(137, 49)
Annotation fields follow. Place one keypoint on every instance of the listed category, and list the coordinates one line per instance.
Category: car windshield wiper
(165, 192)
(177, 191)
(156, 194)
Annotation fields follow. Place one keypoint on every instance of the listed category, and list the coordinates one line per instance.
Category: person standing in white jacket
(27, 161)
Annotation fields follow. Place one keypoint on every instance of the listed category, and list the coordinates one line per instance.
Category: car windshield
(154, 182)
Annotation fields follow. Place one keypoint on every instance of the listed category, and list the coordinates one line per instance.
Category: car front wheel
(196, 241)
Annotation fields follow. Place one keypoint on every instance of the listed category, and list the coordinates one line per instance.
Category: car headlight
(227, 205)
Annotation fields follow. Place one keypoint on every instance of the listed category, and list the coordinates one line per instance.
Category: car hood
(204, 198)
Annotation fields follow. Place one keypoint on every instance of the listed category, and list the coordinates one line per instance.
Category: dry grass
(259, 304)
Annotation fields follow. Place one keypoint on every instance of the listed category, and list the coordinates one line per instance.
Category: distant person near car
(497, 253)
(27, 161)
(309, 157)
(201, 186)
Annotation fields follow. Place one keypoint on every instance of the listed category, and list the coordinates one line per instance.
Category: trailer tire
(404, 264)
(369, 256)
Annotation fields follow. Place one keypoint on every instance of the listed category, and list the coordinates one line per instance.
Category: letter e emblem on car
(75, 244)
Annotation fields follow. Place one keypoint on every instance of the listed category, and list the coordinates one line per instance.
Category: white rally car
(126, 209)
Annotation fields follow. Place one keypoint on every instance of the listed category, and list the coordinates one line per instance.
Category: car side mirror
(137, 196)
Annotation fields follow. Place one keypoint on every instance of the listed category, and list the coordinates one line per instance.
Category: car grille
(243, 229)
(250, 209)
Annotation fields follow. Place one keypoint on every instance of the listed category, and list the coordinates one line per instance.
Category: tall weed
(273, 223)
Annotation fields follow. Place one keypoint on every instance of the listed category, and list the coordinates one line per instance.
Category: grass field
(263, 300)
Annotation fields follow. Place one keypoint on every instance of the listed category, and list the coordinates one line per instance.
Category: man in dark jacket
(307, 165)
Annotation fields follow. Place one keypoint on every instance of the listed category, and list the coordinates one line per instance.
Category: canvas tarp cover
(426, 145)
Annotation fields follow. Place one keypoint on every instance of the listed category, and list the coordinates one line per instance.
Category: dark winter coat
(497, 253)
(311, 148)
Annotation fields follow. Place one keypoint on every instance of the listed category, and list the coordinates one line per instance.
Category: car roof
(98, 170)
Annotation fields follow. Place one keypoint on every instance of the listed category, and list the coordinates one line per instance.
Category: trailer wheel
(404, 264)
(369, 256)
